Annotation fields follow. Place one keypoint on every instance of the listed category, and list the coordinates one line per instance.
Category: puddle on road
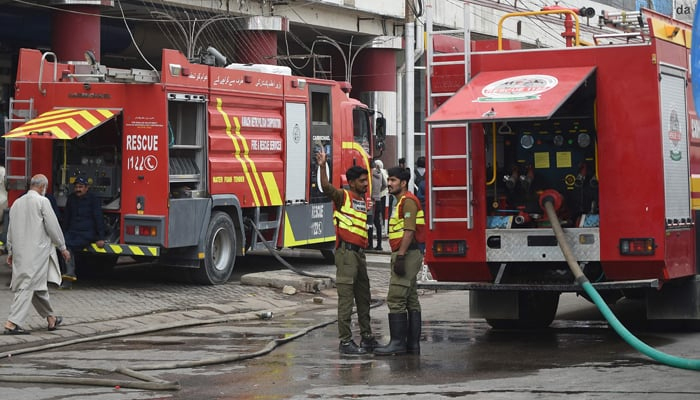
(451, 351)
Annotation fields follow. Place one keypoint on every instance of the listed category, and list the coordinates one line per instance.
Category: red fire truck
(606, 131)
(191, 161)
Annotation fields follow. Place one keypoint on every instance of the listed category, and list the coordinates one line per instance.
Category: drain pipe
(547, 201)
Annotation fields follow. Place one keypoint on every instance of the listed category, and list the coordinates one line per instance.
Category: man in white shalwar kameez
(32, 236)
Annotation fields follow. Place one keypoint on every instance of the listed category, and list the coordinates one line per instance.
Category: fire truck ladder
(629, 24)
(17, 156)
(457, 58)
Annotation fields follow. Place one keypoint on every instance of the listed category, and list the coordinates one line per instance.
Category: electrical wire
(131, 35)
(417, 12)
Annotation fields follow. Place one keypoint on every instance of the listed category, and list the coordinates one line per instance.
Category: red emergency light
(449, 248)
(637, 246)
(141, 230)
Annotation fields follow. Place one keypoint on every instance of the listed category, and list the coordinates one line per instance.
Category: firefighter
(352, 281)
(406, 235)
(83, 224)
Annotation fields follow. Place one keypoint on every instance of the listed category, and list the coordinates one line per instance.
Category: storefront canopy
(66, 123)
(525, 94)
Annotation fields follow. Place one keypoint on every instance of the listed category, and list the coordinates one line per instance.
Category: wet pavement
(147, 297)
(577, 358)
(212, 341)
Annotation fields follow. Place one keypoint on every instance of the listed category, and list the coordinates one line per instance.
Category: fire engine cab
(195, 164)
(605, 131)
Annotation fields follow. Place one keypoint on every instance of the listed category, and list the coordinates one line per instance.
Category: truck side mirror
(380, 130)
(380, 133)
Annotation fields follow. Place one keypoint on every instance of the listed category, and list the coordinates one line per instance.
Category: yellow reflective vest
(396, 223)
(351, 219)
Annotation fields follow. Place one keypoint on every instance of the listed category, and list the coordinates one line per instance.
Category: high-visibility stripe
(396, 222)
(219, 107)
(247, 158)
(272, 189)
(124, 250)
(351, 224)
(68, 123)
(290, 240)
(365, 157)
(695, 191)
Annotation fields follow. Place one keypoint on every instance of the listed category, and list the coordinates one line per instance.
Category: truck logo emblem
(517, 88)
(674, 135)
(296, 133)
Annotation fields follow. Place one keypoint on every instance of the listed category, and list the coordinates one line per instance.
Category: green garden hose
(626, 335)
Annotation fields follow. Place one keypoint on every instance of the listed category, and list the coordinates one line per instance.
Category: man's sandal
(17, 330)
(57, 322)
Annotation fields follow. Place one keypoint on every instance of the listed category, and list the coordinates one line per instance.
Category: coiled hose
(627, 336)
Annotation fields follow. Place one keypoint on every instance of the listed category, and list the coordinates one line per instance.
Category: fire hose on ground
(547, 201)
(147, 382)
(279, 258)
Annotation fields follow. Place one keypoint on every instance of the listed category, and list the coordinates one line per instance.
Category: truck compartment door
(674, 136)
(296, 167)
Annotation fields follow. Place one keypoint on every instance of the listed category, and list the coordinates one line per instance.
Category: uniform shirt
(358, 204)
(410, 210)
(83, 222)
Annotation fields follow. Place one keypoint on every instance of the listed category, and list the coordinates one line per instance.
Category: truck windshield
(361, 125)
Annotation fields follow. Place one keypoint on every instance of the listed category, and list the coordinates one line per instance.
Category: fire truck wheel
(95, 265)
(219, 251)
(537, 311)
(329, 256)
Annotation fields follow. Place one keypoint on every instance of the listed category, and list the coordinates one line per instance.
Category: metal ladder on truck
(18, 151)
(439, 95)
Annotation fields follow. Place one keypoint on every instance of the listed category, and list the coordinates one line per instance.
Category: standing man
(32, 233)
(406, 233)
(83, 224)
(402, 164)
(419, 181)
(378, 186)
(352, 281)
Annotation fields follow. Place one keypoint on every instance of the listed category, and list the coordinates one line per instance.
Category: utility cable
(664, 358)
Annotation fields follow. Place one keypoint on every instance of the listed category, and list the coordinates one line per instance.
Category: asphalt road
(579, 357)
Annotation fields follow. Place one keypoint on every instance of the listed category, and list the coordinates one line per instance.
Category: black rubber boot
(369, 343)
(398, 328)
(351, 348)
(414, 327)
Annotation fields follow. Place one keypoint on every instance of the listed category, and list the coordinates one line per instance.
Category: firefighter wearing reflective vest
(352, 281)
(406, 234)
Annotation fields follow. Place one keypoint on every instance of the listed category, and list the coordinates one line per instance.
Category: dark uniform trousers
(352, 282)
(403, 294)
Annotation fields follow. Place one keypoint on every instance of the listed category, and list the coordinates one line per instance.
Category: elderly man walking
(31, 236)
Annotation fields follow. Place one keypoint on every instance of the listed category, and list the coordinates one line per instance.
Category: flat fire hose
(627, 336)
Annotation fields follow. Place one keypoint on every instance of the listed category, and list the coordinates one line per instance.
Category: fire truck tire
(329, 256)
(537, 311)
(93, 265)
(219, 251)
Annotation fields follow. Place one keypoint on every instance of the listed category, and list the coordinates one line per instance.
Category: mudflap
(677, 300)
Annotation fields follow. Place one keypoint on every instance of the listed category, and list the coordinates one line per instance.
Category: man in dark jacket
(82, 225)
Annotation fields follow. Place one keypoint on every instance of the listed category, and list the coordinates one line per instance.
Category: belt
(350, 246)
(413, 246)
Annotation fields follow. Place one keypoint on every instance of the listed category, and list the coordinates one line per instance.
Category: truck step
(635, 284)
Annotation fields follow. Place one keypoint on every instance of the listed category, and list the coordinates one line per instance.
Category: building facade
(359, 41)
